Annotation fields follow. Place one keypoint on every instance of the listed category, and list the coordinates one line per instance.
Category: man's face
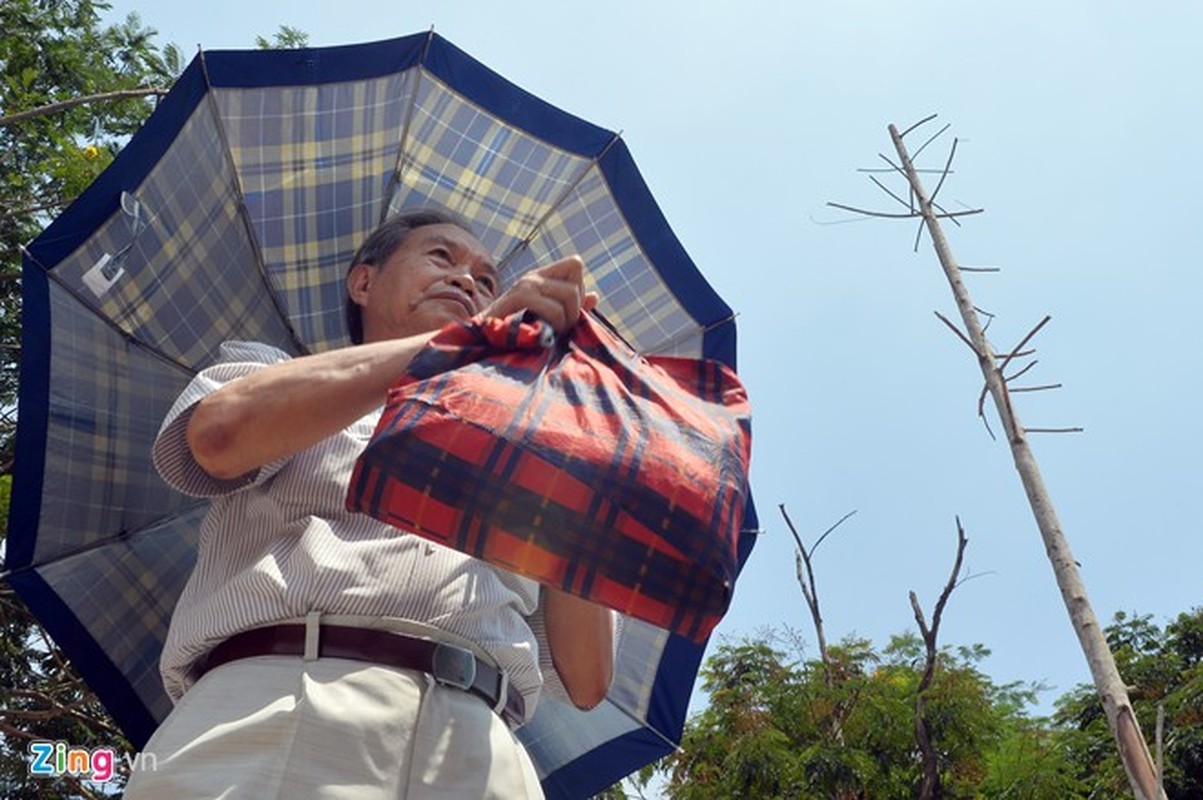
(439, 274)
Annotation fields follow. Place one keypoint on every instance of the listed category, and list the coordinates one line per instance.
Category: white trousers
(282, 727)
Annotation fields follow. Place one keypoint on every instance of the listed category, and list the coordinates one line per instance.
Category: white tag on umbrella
(109, 268)
(103, 274)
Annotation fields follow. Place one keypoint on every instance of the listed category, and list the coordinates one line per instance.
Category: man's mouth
(457, 298)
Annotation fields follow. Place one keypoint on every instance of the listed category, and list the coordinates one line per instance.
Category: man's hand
(554, 292)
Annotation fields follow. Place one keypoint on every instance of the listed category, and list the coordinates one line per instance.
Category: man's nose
(463, 281)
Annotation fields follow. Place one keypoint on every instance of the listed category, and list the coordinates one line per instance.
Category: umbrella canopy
(233, 214)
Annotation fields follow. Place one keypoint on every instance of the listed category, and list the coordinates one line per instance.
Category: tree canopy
(781, 726)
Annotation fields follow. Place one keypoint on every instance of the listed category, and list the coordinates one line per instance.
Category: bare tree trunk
(1133, 750)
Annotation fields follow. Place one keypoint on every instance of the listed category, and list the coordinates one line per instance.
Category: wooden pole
(1134, 752)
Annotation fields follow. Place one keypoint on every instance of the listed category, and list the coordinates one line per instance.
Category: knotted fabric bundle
(614, 477)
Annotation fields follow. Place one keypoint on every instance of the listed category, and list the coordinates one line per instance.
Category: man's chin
(434, 321)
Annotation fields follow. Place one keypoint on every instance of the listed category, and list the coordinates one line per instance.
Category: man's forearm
(581, 637)
(287, 407)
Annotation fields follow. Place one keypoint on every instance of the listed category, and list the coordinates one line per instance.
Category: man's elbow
(212, 440)
(588, 684)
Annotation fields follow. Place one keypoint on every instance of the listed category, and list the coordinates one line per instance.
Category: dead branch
(909, 215)
(1020, 373)
(931, 139)
(930, 634)
(806, 579)
(869, 171)
(930, 786)
(1015, 353)
(957, 331)
(1042, 388)
(920, 123)
(981, 411)
(909, 205)
(943, 175)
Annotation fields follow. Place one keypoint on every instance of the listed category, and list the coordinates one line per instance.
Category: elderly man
(317, 652)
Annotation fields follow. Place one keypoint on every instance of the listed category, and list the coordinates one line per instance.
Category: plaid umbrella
(233, 214)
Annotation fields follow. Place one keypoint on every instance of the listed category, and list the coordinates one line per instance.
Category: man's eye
(441, 254)
(487, 283)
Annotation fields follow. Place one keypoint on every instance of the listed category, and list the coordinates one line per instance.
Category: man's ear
(359, 282)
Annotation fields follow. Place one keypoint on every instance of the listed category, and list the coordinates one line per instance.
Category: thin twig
(827, 532)
(886, 189)
(916, 215)
(943, 211)
(868, 213)
(923, 146)
(981, 411)
(939, 184)
(957, 331)
(871, 171)
(973, 575)
(1019, 347)
(1054, 430)
(896, 168)
(923, 121)
(1042, 388)
(1022, 371)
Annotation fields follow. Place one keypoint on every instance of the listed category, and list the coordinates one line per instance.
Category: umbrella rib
(555, 205)
(120, 537)
(244, 213)
(643, 723)
(395, 180)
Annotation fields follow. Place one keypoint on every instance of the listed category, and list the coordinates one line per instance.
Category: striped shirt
(279, 543)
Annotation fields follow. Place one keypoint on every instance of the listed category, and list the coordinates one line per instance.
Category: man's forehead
(454, 237)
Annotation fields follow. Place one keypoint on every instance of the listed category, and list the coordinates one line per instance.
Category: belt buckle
(454, 666)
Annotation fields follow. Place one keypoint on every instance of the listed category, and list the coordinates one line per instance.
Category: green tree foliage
(1160, 666)
(782, 728)
(286, 38)
(785, 727)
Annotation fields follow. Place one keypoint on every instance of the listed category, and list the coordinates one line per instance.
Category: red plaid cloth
(616, 478)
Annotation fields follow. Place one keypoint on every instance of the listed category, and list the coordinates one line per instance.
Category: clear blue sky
(1078, 126)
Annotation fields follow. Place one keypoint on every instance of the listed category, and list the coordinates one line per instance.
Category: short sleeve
(172, 456)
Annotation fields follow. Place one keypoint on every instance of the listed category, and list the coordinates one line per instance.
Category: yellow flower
(91, 152)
